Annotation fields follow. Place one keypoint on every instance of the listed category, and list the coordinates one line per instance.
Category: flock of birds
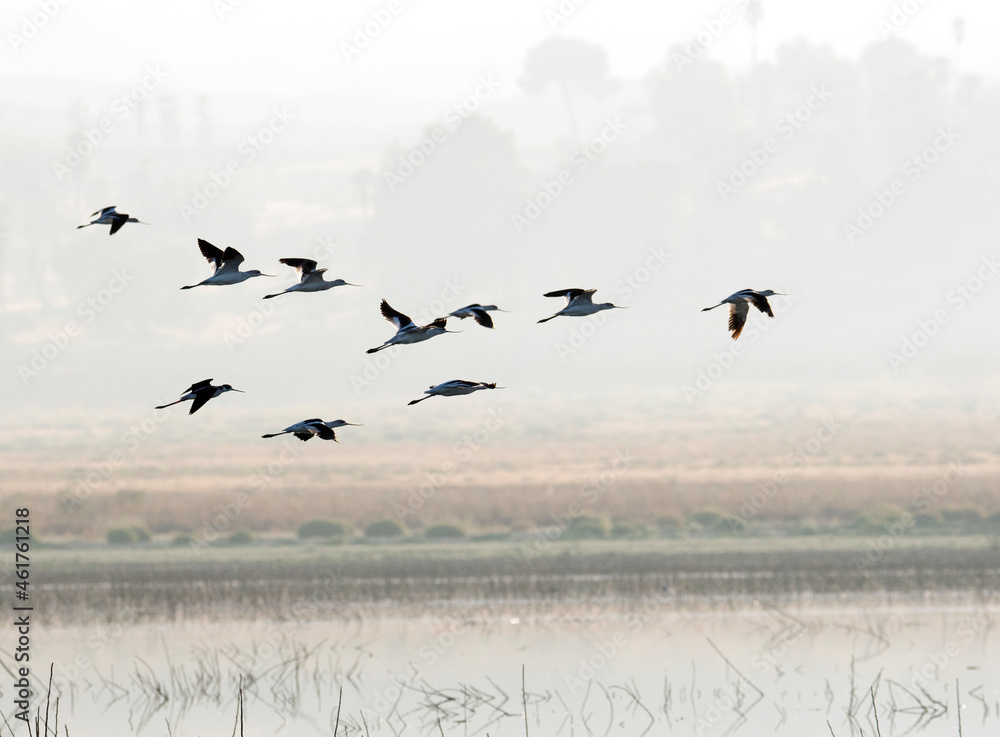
(226, 271)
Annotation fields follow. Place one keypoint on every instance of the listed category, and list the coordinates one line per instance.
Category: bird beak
(348, 284)
(270, 275)
(239, 390)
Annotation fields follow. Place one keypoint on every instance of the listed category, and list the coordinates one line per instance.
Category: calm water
(654, 670)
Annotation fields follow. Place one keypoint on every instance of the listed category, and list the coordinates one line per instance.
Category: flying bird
(454, 388)
(200, 393)
(307, 428)
(579, 303)
(310, 278)
(739, 305)
(477, 311)
(226, 264)
(110, 216)
(406, 330)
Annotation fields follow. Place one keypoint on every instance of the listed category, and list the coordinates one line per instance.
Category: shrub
(240, 537)
(142, 535)
(383, 528)
(181, 541)
(121, 536)
(321, 528)
(962, 516)
(623, 529)
(585, 528)
(444, 532)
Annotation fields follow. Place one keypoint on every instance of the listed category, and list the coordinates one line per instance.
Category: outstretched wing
(482, 317)
(231, 259)
(301, 265)
(401, 321)
(572, 294)
(117, 222)
(104, 211)
(211, 253)
(200, 398)
(441, 322)
(761, 304)
(325, 432)
(738, 317)
(196, 387)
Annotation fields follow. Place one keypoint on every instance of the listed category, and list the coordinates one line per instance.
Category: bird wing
(197, 386)
(301, 265)
(325, 432)
(761, 304)
(231, 259)
(200, 398)
(457, 384)
(303, 436)
(316, 275)
(117, 222)
(401, 321)
(738, 317)
(104, 211)
(441, 322)
(482, 317)
(210, 252)
(569, 294)
(583, 296)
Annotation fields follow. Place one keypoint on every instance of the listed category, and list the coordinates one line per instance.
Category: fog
(442, 153)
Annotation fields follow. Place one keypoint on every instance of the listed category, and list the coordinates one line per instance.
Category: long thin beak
(348, 284)
(270, 275)
(239, 390)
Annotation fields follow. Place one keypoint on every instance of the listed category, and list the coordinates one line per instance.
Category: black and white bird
(226, 265)
(454, 388)
(310, 278)
(306, 429)
(199, 394)
(579, 303)
(739, 305)
(110, 216)
(477, 311)
(406, 330)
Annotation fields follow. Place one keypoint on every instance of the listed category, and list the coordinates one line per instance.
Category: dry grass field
(507, 466)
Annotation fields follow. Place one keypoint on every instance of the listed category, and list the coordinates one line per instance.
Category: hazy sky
(850, 306)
